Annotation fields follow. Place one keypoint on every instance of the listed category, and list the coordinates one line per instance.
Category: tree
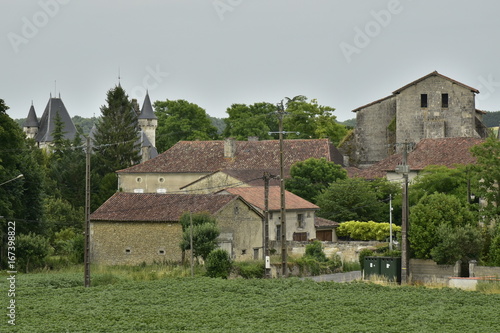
(487, 181)
(432, 212)
(311, 177)
(31, 250)
(205, 233)
(312, 121)
(116, 144)
(350, 199)
(256, 120)
(181, 120)
(22, 198)
(440, 179)
(218, 264)
(457, 243)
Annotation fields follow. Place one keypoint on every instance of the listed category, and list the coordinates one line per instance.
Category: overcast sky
(218, 52)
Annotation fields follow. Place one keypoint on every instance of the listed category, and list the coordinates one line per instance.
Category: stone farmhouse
(431, 107)
(300, 213)
(189, 161)
(132, 228)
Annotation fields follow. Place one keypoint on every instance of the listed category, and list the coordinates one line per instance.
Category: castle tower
(31, 125)
(148, 121)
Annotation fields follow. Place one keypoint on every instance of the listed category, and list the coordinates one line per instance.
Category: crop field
(58, 303)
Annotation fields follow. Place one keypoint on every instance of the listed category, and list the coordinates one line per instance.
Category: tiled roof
(322, 223)
(435, 73)
(47, 122)
(255, 196)
(208, 156)
(157, 207)
(446, 152)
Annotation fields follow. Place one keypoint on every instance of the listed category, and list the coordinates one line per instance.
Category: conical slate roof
(147, 109)
(47, 123)
(32, 120)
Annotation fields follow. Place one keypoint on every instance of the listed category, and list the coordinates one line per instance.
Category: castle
(41, 130)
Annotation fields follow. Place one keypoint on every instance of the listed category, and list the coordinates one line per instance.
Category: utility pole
(266, 226)
(390, 222)
(404, 169)
(86, 258)
(281, 113)
(191, 242)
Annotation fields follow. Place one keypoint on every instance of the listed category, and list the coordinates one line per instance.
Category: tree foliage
(432, 212)
(31, 250)
(311, 177)
(312, 121)
(218, 264)
(116, 143)
(353, 199)
(180, 120)
(457, 243)
(367, 230)
(487, 182)
(205, 233)
(255, 120)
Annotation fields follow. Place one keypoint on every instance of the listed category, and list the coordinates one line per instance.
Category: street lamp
(17, 177)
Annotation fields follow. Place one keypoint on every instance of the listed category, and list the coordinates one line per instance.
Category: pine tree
(116, 143)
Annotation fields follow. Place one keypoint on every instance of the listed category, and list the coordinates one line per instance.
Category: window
(243, 252)
(161, 252)
(270, 215)
(301, 221)
(278, 232)
(138, 179)
(444, 100)
(128, 250)
(161, 179)
(256, 253)
(423, 100)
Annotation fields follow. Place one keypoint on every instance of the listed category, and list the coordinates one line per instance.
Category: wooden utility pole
(191, 242)
(282, 196)
(404, 169)
(86, 258)
(267, 262)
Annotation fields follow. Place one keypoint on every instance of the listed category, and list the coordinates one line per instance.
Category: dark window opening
(423, 100)
(300, 236)
(127, 251)
(161, 252)
(300, 220)
(444, 100)
(278, 232)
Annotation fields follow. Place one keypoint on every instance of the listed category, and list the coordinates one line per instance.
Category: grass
(151, 299)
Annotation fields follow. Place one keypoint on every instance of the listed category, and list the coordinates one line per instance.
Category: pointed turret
(47, 122)
(30, 126)
(148, 121)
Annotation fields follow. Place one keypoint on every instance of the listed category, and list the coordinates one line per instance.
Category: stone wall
(372, 133)
(415, 123)
(132, 243)
(429, 272)
(155, 182)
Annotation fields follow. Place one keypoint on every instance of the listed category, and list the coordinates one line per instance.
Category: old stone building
(433, 106)
(188, 161)
(132, 228)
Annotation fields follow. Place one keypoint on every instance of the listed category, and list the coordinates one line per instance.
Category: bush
(366, 230)
(218, 264)
(32, 251)
(315, 250)
(249, 269)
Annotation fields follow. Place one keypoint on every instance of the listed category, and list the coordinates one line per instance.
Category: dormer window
(423, 100)
(444, 100)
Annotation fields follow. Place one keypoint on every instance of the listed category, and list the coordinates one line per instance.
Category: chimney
(229, 148)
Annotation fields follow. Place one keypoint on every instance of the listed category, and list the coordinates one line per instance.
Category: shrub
(315, 250)
(364, 253)
(218, 264)
(366, 230)
(249, 269)
(32, 250)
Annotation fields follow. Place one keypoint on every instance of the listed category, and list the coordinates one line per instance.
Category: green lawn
(58, 303)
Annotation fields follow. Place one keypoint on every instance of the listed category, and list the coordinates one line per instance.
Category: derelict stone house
(132, 228)
(431, 107)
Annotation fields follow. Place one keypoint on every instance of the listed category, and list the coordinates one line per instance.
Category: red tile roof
(255, 196)
(322, 223)
(158, 207)
(208, 156)
(447, 152)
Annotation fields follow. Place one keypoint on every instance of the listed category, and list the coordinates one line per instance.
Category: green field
(52, 302)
